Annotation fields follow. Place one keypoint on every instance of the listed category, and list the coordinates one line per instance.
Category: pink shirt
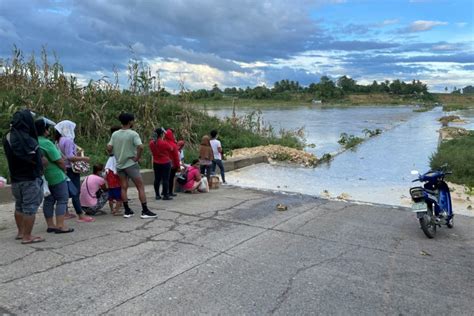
(89, 187)
(192, 173)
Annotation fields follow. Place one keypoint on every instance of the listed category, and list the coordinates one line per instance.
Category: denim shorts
(28, 196)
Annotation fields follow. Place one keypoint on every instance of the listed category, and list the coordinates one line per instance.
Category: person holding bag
(76, 163)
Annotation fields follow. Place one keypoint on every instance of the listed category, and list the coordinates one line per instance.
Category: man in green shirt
(57, 181)
(127, 147)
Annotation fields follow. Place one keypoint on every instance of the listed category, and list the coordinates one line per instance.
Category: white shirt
(215, 144)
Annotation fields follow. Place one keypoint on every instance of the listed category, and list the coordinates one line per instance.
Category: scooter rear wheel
(428, 226)
(450, 223)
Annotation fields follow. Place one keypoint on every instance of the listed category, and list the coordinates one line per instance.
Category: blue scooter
(432, 202)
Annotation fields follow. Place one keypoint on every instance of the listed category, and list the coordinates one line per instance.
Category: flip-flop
(52, 229)
(18, 237)
(117, 213)
(33, 241)
(87, 219)
(60, 231)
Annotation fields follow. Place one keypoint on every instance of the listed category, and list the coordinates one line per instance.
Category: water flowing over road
(378, 170)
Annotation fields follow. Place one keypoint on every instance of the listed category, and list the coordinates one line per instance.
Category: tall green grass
(46, 89)
(458, 153)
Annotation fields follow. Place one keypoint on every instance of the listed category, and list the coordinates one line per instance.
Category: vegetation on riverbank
(458, 153)
(45, 89)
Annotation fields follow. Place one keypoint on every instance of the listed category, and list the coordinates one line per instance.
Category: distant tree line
(325, 89)
(466, 90)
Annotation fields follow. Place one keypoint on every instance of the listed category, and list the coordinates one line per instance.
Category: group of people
(45, 168)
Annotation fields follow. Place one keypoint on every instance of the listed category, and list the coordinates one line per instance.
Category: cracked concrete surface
(231, 252)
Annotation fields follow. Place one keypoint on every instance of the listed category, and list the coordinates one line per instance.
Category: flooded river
(378, 170)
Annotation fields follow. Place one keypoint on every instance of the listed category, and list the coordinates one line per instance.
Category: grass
(47, 91)
(349, 141)
(458, 153)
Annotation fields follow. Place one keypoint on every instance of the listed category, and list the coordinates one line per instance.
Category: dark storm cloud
(239, 30)
(355, 45)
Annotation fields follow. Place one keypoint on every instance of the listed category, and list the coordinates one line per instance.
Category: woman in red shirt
(161, 151)
(174, 157)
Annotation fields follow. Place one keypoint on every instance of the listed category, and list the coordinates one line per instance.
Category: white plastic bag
(204, 185)
(46, 191)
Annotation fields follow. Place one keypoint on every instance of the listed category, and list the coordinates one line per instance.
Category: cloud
(177, 52)
(355, 45)
(421, 26)
(388, 22)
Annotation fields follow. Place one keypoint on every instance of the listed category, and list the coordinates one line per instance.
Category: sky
(249, 42)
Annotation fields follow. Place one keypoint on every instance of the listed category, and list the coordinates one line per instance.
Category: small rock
(281, 207)
(344, 196)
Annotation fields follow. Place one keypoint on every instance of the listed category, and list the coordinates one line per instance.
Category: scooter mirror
(415, 172)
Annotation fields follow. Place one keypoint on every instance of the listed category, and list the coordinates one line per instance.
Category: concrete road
(231, 252)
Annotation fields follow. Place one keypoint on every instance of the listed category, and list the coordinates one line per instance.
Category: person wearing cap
(54, 204)
(127, 147)
(26, 166)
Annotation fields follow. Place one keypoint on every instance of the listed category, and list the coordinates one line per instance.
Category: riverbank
(231, 251)
(450, 102)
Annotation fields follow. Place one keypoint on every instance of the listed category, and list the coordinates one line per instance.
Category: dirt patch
(447, 133)
(278, 153)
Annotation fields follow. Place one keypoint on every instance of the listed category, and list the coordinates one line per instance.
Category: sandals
(60, 231)
(86, 219)
(35, 240)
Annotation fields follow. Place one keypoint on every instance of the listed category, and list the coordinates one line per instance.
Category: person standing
(161, 151)
(113, 182)
(205, 157)
(64, 136)
(127, 147)
(217, 152)
(55, 174)
(175, 161)
(26, 164)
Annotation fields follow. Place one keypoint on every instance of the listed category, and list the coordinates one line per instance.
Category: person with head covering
(175, 161)
(64, 136)
(25, 164)
(161, 151)
(55, 204)
(205, 157)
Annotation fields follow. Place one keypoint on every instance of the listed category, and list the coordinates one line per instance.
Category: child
(113, 183)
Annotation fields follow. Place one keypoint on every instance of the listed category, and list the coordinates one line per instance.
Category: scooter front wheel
(428, 226)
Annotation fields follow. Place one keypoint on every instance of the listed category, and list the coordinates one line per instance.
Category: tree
(346, 84)
(468, 90)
